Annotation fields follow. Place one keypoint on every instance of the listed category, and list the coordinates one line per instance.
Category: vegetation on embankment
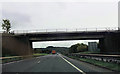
(39, 54)
(79, 47)
(89, 52)
(16, 58)
(111, 66)
(11, 59)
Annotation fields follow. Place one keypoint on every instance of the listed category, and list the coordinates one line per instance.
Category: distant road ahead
(51, 63)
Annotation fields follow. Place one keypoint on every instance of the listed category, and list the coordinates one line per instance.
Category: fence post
(76, 30)
(96, 29)
(118, 28)
(86, 29)
(66, 30)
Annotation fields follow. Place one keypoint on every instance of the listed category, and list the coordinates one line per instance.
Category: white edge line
(12, 62)
(73, 65)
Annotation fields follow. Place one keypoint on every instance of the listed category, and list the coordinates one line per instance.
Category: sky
(67, 43)
(62, 14)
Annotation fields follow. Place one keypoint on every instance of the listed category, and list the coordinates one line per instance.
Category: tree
(78, 48)
(82, 48)
(6, 25)
(73, 48)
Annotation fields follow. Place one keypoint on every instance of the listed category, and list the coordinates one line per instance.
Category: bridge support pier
(16, 45)
(110, 43)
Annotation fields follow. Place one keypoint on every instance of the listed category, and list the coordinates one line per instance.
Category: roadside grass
(7, 59)
(11, 59)
(39, 54)
(88, 52)
(112, 66)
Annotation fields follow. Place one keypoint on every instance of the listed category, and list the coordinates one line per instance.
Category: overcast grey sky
(52, 15)
(60, 15)
(67, 43)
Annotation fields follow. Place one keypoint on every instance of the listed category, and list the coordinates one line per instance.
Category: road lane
(51, 63)
(48, 63)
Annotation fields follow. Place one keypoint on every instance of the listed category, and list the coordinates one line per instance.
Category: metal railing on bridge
(65, 30)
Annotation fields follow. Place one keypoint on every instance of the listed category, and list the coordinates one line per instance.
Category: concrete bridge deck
(109, 40)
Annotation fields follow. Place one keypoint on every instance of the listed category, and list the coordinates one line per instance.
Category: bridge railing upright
(65, 30)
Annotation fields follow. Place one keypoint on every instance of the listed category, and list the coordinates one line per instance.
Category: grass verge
(111, 66)
(39, 54)
(16, 58)
(11, 59)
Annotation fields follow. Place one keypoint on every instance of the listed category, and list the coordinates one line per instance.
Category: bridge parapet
(66, 30)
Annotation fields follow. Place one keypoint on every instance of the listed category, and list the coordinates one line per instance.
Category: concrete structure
(109, 40)
(21, 44)
(110, 43)
(119, 15)
(15, 45)
(92, 46)
(0, 45)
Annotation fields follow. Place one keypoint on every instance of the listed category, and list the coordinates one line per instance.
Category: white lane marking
(73, 65)
(38, 61)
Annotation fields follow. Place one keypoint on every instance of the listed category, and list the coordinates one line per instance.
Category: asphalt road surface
(51, 63)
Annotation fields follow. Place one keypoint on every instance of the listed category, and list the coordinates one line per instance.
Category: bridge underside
(109, 41)
(65, 36)
(61, 38)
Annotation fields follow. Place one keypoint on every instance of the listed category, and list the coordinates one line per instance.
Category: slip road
(51, 63)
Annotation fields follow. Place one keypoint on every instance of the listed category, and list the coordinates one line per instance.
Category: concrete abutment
(110, 43)
(16, 45)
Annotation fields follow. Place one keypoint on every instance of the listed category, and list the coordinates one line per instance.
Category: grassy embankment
(10, 59)
(7, 59)
(40, 54)
(112, 66)
(88, 52)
